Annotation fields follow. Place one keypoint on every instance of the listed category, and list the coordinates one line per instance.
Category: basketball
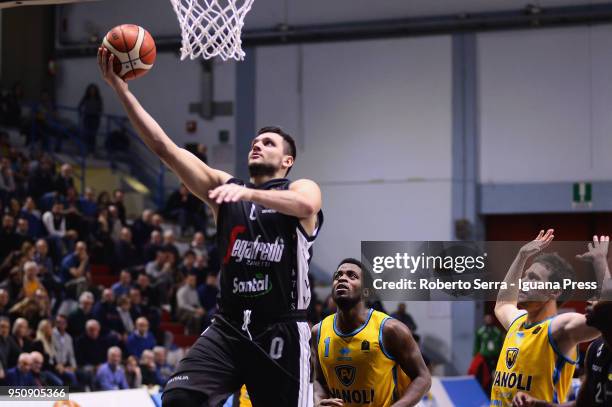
(134, 50)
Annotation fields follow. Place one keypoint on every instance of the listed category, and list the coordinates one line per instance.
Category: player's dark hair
(350, 260)
(290, 148)
(560, 269)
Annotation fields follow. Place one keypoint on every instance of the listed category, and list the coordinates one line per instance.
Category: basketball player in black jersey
(265, 230)
(596, 389)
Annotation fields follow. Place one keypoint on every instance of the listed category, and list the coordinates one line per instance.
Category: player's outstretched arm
(197, 176)
(399, 343)
(506, 309)
(597, 254)
(321, 391)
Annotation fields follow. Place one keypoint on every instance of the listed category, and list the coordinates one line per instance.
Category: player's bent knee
(183, 398)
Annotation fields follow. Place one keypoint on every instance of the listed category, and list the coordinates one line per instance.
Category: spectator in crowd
(143, 283)
(153, 246)
(91, 347)
(182, 206)
(21, 375)
(105, 312)
(169, 243)
(149, 370)
(88, 205)
(104, 199)
(125, 324)
(122, 287)
(164, 370)
(41, 256)
(20, 335)
(140, 339)
(156, 221)
(488, 341)
(42, 179)
(78, 318)
(9, 351)
(43, 342)
(31, 282)
(126, 253)
(111, 375)
(42, 376)
(7, 180)
(114, 223)
(189, 309)
(22, 232)
(8, 239)
(64, 180)
(65, 360)
(133, 374)
(155, 268)
(401, 315)
(75, 266)
(31, 309)
(207, 294)
(118, 203)
(4, 303)
(90, 111)
(32, 215)
(141, 229)
(188, 265)
(54, 222)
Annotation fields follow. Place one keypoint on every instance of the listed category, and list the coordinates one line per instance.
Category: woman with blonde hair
(44, 343)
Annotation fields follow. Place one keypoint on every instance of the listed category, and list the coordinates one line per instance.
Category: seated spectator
(33, 217)
(74, 218)
(111, 375)
(54, 222)
(22, 233)
(9, 351)
(141, 230)
(41, 180)
(206, 249)
(401, 315)
(188, 266)
(140, 339)
(155, 268)
(105, 311)
(189, 309)
(149, 370)
(183, 207)
(114, 222)
(164, 370)
(91, 347)
(75, 264)
(122, 287)
(4, 303)
(8, 238)
(65, 360)
(152, 247)
(21, 375)
(125, 324)
(143, 283)
(169, 243)
(156, 221)
(126, 254)
(42, 376)
(41, 256)
(31, 282)
(136, 308)
(133, 374)
(78, 318)
(117, 202)
(32, 309)
(207, 294)
(43, 343)
(64, 180)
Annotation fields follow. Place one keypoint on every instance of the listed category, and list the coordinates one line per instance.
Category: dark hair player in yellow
(362, 356)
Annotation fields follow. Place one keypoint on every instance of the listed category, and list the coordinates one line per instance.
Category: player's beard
(261, 170)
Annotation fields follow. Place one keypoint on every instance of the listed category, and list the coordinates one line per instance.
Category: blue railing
(67, 122)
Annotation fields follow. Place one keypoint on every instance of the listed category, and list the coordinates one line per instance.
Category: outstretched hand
(597, 250)
(539, 243)
(106, 61)
(523, 400)
(230, 193)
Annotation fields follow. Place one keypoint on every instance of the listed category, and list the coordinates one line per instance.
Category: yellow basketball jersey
(531, 362)
(356, 366)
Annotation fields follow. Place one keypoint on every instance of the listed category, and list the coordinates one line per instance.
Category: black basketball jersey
(265, 258)
(599, 364)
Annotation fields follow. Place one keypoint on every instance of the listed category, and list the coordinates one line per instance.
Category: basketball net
(211, 28)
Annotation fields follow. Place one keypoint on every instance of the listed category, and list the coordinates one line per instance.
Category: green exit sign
(582, 196)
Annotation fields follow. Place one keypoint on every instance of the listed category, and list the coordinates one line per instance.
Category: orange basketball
(134, 50)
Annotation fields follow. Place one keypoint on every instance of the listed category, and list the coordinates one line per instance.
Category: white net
(211, 28)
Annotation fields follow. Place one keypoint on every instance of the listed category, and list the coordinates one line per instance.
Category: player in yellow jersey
(362, 356)
(539, 353)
